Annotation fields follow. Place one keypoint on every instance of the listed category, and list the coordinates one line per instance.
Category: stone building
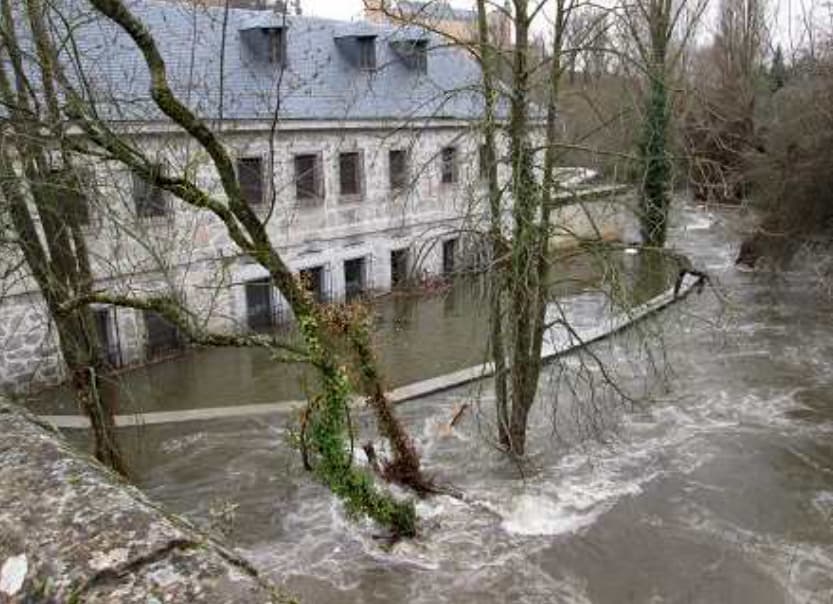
(356, 143)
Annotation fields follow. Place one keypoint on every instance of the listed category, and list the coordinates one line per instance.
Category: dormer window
(358, 47)
(266, 43)
(367, 52)
(414, 53)
(274, 44)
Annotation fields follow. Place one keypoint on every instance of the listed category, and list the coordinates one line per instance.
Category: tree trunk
(496, 286)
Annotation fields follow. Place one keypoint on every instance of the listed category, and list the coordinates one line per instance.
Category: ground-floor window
(355, 278)
(313, 280)
(399, 266)
(449, 256)
(163, 337)
(107, 337)
(260, 305)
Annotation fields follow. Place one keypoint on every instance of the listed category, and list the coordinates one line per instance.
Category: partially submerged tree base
(351, 322)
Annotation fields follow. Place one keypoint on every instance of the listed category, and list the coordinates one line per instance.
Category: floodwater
(713, 484)
(417, 336)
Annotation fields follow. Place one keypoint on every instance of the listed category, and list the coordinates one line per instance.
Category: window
(367, 52)
(448, 165)
(449, 256)
(483, 162)
(259, 305)
(308, 181)
(81, 207)
(111, 353)
(350, 173)
(250, 177)
(399, 260)
(265, 44)
(419, 56)
(275, 46)
(70, 191)
(313, 280)
(414, 53)
(149, 199)
(354, 278)
(162, 336)
(398, 168)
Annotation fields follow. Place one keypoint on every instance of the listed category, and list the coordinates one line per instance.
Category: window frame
(275, 45)
(350, 295)
(263, 321)
(262, 181)
(317, 193)
(399, 183)
(450, 251)
(366, 52)
(358, 167)
(483, 167)
(449, 165)
(147, 195)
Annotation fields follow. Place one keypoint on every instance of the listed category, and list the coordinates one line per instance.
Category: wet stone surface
(71, 531)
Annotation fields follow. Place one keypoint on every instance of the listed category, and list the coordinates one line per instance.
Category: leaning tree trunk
(328, 423)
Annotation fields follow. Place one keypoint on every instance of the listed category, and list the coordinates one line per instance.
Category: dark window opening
(449, 256)
(448, 158)
(367, 52)
(70, 191)
(308, 183)
(483, 162)
(260, 312)
(354, 278)
(419, 56)
(110, 350)
(275, 46)
(313, 280)
(349, 170)
(80, 207)
(414, 54)
(250, 177)
(399, 261)
(398, 169)
(149, 199)
(163, 337)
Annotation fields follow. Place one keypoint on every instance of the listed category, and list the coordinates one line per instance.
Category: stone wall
(189, 253)
(70, 531)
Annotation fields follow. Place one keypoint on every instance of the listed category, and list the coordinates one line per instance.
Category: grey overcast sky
(346, 9)
(788, 26)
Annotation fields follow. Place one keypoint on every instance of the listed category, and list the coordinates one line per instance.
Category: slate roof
(319, 82)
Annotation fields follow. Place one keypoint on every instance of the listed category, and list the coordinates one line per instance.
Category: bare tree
(660, 31)
(327, 427)
(36, 162)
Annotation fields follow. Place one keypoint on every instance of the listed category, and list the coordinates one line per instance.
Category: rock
(13, 574)
(70, 530)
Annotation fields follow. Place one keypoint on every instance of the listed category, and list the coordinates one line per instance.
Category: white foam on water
(701, 222)
(802, 569)
(823, 502)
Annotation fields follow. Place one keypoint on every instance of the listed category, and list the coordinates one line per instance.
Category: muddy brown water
(715, 485)
(417, 336)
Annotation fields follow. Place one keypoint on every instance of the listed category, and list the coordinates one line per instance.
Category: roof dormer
(412, 48)
(264, 38)
(359, 48)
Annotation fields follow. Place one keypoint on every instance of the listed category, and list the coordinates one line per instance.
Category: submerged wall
(70, 531)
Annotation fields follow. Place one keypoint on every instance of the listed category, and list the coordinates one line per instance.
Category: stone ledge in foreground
(71, 531)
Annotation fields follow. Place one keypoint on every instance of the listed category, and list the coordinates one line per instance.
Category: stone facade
(189, 252)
